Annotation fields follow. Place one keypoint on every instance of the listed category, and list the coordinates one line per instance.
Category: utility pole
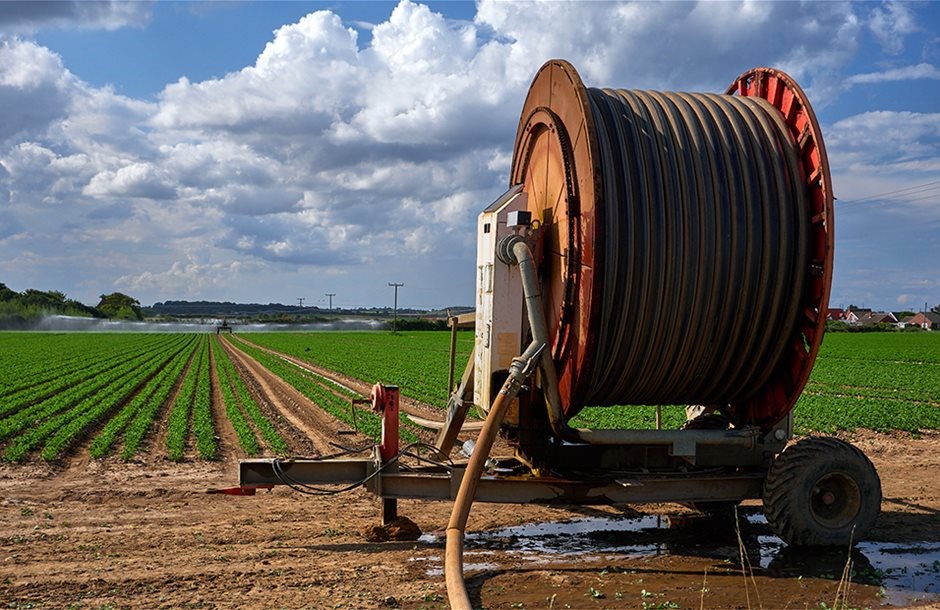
(395, 315)
(331, 295)
(300, 300)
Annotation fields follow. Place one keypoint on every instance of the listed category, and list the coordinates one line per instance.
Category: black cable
(313, 490)
(277, 466)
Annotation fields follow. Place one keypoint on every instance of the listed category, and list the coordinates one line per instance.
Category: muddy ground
(109, 534)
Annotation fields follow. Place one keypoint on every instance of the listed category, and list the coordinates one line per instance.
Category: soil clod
(401, 529)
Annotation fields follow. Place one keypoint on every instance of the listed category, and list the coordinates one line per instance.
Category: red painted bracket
(385, 400)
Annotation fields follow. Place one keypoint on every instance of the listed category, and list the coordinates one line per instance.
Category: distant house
(854, 316)
(834, 313)
(877, 317)
(928, 320)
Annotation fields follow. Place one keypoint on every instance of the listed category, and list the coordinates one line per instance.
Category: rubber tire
(822, 492)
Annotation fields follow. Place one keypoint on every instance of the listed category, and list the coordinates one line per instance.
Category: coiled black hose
(705, 245)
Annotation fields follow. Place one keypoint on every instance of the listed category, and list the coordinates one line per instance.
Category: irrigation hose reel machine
(654, 248)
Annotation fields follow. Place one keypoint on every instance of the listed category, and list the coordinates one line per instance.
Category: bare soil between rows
(95, 534)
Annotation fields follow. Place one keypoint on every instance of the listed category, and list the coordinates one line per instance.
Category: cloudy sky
(261, 152)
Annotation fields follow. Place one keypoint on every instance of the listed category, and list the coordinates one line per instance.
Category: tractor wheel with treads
(821, 492)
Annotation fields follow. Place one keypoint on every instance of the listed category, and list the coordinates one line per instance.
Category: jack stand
(385, 401)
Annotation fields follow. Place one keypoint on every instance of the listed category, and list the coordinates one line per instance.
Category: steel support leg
(385, 399)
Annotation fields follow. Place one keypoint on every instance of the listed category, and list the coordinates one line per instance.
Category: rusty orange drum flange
(555, 159)
(778, 397)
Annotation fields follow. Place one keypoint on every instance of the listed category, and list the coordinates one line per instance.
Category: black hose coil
(705, 246)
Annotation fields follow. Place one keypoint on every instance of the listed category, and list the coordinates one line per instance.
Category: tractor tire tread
(788, 514)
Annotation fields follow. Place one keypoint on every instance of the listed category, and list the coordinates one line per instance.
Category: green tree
(6, 294)
(119, 305)
(935, 309)
(53, 299)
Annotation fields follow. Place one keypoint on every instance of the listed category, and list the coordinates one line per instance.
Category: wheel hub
(836, 500)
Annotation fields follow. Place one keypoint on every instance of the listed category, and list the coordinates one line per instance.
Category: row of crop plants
(28, 379)
(880, 381)
(418, 362)
(330, 397)
(58, 390)
(30, 360)
(242, 410)
(182, 418)
(132, 422)
(877, 381)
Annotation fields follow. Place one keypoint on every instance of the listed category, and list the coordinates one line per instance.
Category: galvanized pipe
(532, 292)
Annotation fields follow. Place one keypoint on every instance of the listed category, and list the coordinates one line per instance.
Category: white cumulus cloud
(331, 157)
(919, 71)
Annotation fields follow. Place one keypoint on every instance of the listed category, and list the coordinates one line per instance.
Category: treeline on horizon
(19, 309)
(32, 304)
(277, 313)
(227, 308)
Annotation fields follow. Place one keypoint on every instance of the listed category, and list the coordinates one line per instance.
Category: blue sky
(266, 151)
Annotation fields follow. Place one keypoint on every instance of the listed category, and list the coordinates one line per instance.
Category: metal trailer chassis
(699, 467)
(817, 492)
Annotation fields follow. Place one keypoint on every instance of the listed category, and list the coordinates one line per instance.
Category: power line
(911, 190)
(930, 196)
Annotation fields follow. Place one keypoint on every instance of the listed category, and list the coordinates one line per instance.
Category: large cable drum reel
(686, 250)
(683, 255)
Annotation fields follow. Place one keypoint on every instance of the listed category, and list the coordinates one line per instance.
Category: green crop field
(417, 362)
(112, 392)
(879, 381)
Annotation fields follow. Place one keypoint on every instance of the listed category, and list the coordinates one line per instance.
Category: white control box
(499, 300)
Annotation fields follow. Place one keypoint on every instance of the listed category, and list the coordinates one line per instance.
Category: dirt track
(90, 534)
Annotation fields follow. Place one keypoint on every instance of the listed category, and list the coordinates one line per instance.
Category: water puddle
(902, 571)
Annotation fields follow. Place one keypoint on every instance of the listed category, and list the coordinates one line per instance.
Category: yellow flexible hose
(453, 554)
